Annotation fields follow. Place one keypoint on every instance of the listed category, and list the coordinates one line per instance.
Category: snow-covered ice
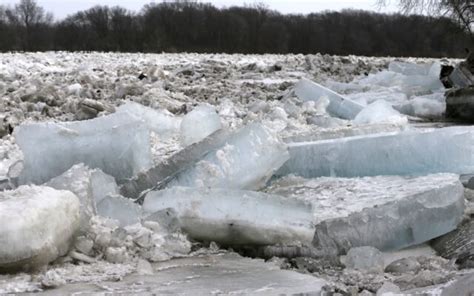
(386, 212)
(119, 144)
(235, 216)
(380, 112)
(38, 224)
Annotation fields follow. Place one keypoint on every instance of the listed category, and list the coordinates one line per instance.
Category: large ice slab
(411, 152)
(202, 121)
(38, 223)
(224, 274)
(118, 144)
(161, 122)
(247, 160)
(409, 68)
(90, 186)
(235, 217)
(339, 106)
(386, 212)
(159, 175)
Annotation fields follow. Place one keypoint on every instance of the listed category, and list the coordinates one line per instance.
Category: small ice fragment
(380, 112)
(366, 259)
(338, 106)
(121, 209)
(198, 124)
(235, 216)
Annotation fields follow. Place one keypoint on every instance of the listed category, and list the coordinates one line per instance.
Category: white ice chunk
(119, 144)
(428, 106)
(339, 106)
(90, 186)
(198, 124)
(411, 152)
(365, 98)
(366, 259)
(235, 216)
(246, 161)
(38, 223)
(74, 89)
(121, 209)
(409, 68)
(161, 122)
(380, 112)
(386, 212)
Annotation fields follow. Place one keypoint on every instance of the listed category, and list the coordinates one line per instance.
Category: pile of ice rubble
(356, 184)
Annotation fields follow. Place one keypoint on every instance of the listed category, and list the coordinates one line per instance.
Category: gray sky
(61, 8)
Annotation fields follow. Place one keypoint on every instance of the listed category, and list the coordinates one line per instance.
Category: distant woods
(186, 26)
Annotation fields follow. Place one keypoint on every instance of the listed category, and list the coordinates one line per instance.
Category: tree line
(186, 26)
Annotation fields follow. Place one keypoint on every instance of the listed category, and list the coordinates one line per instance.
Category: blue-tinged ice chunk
(339, 106)
(201, 122)
(247, 160)
(118, 144)
(411, 152)
(235, 216)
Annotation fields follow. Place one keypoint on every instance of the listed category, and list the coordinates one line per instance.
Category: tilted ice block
(235, 216)
(120, 208)
(411, 152)
(409, 68)
(90, 186)
(38, 224)
(246, 161)
(161, 122)
(198, 124)
(386, 212)
(161, 174)
(119, 144)
(338, 105)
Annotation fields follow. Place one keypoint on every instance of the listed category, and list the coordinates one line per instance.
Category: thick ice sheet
(118, 144)
(38, 223)
(248, 159)
(235, 216)
(411, 152)
(386, 212)
(339, 106)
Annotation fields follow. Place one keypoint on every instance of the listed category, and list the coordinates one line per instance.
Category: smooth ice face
(118, 144)
(121, 209)
(38, 223)
(339, 106)
(380, 112)
(373, 211)
(90, 186)
(235, 216)
(246, 161)
(161, 122)
(411, 152)
(409, 68)
(198, 124)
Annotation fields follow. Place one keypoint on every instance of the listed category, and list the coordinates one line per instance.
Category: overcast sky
(61, 8)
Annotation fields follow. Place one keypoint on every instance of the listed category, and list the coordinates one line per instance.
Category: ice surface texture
(339, 106)
(118, 144)
(198, 124)
(38, 223)
(412, 152)
(235, 216)
(161, 122)
(386, 212)
(248, 159)
(121, 209)
(380, 112)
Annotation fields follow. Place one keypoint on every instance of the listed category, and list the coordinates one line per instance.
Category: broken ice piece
(90, 186)
(386, 212)
(411, 152)
(234, 216)
(338, 106)
(159, 175)
(118, 144)
(248, 159)
(198, 124)
(38, 223)
(380, 112)
(121, 209)
(161, 122)
(409, 68)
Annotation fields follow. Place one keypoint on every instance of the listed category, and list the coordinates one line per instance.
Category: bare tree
(462, 11)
